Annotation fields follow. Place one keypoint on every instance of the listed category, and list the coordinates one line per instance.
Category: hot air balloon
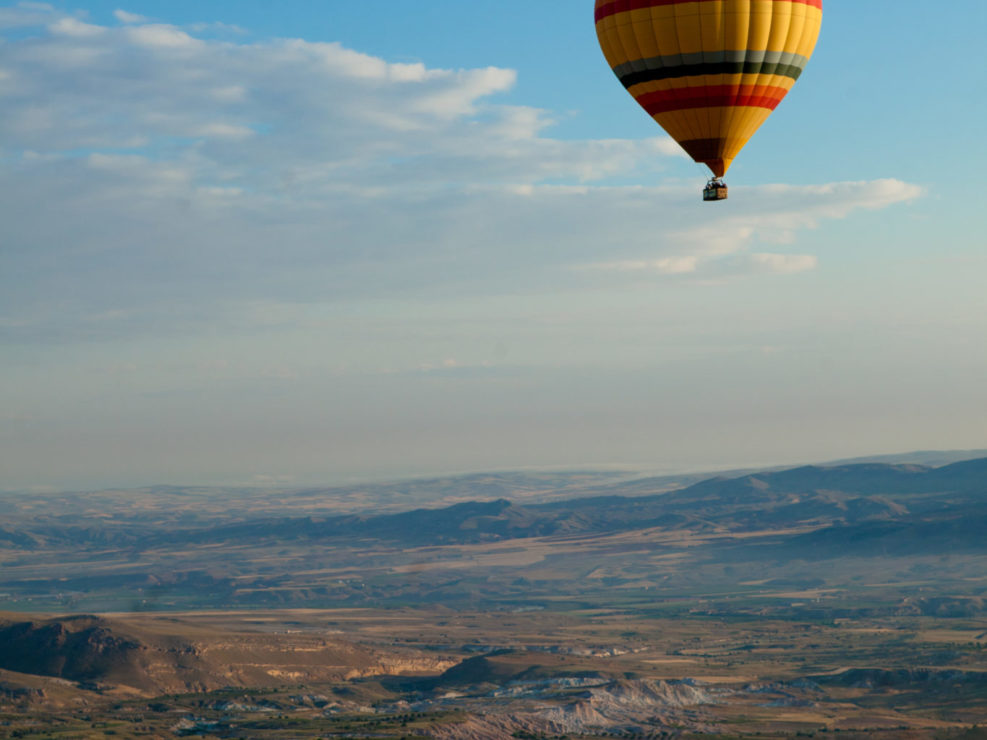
(709, 72)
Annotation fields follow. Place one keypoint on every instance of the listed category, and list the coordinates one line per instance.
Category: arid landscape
(423, 673)
(847, 599)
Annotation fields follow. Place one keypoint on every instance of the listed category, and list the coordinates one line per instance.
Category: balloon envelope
(709, 72)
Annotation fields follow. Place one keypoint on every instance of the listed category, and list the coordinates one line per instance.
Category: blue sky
(324, 241)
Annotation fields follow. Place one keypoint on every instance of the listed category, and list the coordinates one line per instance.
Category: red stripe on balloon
(714, 96)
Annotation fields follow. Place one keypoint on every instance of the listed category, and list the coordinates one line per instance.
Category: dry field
(426, 672)
(848, 602)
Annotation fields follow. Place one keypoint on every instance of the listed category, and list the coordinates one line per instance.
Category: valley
(848, 599)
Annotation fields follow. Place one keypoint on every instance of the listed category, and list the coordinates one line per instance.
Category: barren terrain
(849, 599)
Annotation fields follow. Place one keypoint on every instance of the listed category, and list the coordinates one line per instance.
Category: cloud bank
(154, 178)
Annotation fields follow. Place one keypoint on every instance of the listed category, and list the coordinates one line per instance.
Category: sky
(312, 242)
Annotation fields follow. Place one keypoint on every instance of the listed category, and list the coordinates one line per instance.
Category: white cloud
(339, 59)
(253, 173)
(68, 26)
(219, 26)
(126, 17)
(161, 36)
(773, 214)
(784, 263)
(118, 161)
(26, 14)
(456, 100)
(661, 265)
(370, 121)
(836, 200)
(225, 131)
(230, 94)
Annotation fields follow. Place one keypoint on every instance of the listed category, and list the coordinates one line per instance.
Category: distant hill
(153, 657)
(817, 496)
(175, 559)
(930, 458)
(167, 505)
(908, 498)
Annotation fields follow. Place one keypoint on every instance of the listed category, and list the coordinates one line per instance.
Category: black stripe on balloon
(711, 68)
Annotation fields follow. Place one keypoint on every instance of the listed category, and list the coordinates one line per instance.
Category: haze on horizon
(359, 240)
